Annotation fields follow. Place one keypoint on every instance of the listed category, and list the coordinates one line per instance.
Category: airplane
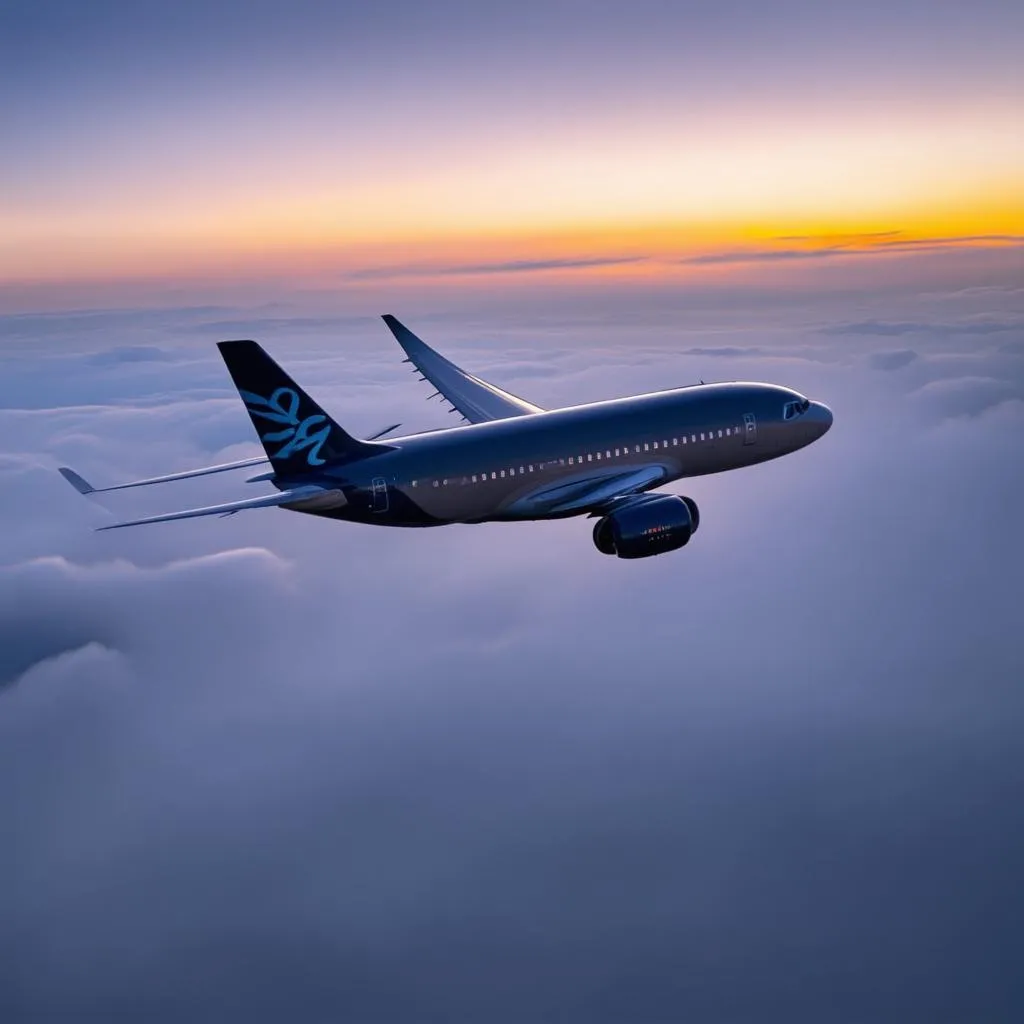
(511, 460)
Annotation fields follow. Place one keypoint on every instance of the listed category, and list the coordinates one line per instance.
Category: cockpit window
(791, 410)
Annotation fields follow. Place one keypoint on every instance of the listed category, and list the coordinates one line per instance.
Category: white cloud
(276, 764)
(966, 396)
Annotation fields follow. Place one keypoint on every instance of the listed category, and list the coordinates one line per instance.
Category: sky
(272, 766)
(313, 141)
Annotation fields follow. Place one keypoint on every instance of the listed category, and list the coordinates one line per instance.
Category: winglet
(402, 334)
(79, 483)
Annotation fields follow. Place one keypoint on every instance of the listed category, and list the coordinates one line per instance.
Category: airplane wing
(474, 399)
(296, 494)
(590, 492)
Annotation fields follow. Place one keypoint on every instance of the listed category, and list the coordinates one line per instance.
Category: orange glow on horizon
(293, 239)
(658, 191)
(643, 249)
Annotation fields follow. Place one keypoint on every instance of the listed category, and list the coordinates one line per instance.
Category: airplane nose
(821, 416)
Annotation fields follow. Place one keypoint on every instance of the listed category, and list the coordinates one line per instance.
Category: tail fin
(296, 433)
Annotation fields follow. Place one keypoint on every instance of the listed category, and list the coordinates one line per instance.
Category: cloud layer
(271, 766)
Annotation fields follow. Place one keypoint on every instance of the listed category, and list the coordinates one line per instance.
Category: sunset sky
(236, 139)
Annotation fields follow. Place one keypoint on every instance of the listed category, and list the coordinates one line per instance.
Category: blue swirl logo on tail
(283, 407)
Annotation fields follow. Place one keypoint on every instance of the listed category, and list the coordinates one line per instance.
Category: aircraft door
(749, 428)
(380, 494)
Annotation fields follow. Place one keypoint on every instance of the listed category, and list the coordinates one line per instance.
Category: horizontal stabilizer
(383, 433)
(83, 486)
(296, 494)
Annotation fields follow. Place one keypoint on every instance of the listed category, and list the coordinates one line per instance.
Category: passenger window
(675, 442)
(616, 453)
(531, 467)
(598, 456)
(693, 439)
(522, 471)
(437, 483)
(647, 446)
(719, 433)
(570, 460)
(702, 435)
(512, 471)
(590, 457)
(502, 474)
(655, 445)
(607, 454)
(474, 478)
(494, 476)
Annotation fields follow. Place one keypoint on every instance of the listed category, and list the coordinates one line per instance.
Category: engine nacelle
(694, 513)
(663, 522)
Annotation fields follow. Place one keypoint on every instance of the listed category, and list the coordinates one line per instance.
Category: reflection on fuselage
(606, 456)
(507, 469)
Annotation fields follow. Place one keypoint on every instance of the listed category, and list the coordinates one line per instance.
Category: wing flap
(587, 492)
(473, 398)
(295, 495)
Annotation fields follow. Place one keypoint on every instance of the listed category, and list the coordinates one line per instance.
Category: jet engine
(650, 526)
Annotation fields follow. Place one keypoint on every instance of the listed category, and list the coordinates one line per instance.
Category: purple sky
(200, 141)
